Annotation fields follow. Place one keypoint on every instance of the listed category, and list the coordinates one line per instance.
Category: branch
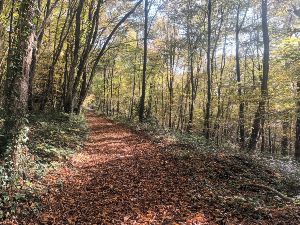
(244, 17)
(115, 30)
(261, 186)
(45, 21)
(102, 51)
(296, 11)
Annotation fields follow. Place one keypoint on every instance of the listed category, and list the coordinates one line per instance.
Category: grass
(53, 139)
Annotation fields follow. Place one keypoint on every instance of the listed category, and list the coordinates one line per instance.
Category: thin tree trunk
(238, 76)
(57, 51)
(134, 80)
(297, 142)
(219, 90)
(259, 119)
(40, 35)
(285, 140)
(69, 98)
(104, 47)
(208, 103)
(143, 96)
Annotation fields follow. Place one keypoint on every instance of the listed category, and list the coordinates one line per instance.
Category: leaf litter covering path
(119, 178)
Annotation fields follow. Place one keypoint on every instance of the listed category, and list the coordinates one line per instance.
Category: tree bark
(208, 103)
(39, 39)
(297, 142)
(238, 76)
(69, 95)
(259, 119)
(103, 49)
(144, 74)
(17, 78)
(1, 5)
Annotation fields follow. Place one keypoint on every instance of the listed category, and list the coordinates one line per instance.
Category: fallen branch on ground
(261, 186)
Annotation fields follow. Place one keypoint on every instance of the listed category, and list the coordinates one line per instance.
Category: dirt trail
(120, 178)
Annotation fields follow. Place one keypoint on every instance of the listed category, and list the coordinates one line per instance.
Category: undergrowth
(196, 142)
(53, 138)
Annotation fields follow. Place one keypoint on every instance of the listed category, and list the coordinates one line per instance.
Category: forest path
(120, 177)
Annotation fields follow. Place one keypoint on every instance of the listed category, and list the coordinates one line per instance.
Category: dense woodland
(226, 71)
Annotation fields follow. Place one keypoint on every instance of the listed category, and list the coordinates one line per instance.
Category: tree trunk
(56, 54)
(69, 97)
(16, 84)
(143, 96)
(208, 103)
(238, 76)
(132, 101)
(39, 39)
(1, 5)
(297, 142)
(89, 43)
(261, 111)
(219, 91)
(104, 47)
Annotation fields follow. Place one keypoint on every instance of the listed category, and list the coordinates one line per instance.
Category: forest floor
(122, 177)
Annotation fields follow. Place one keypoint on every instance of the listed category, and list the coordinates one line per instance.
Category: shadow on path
(120, 178)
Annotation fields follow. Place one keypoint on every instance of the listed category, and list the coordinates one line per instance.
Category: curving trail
(120, 177)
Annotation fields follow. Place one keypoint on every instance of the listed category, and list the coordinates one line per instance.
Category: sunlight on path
(119, 178)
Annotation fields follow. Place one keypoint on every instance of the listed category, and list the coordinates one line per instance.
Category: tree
(208, 58)
(144, 75)
(205, 65)
(297, 142)
(17, 78)
(87, 82)
(259, 120)
(238, 28)
(38, 41)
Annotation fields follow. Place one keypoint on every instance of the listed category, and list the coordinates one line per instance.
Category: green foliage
(53, 138)
(15, 192)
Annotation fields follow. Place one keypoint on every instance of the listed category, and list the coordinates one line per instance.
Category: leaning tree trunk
(39, 38)
(17, 78)
(103, 50)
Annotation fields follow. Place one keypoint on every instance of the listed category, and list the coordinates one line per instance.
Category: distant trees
(201, 67)
(213, 75)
